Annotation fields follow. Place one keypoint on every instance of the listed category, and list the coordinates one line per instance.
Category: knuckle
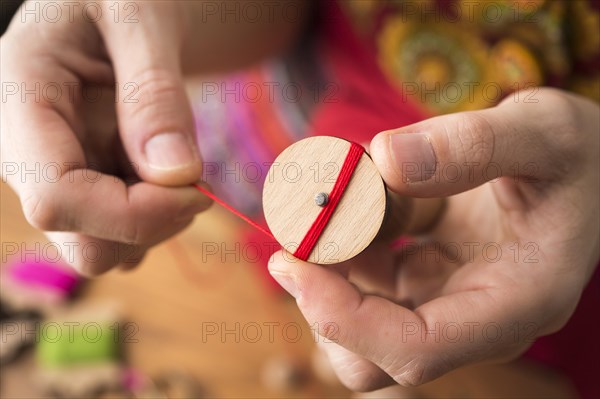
(409, 373)
(551, 98)
(152, 93)
(40, 212)
(567, 133)
(327, 325)
(475, 139)
(329, 330)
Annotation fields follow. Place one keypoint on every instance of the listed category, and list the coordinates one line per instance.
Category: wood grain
(307, 168)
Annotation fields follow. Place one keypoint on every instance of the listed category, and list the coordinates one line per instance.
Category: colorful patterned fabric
(464, 54)
(242, 122)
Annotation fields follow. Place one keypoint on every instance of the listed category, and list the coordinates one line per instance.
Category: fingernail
(287, 281)
(413, 155)
(170, 151)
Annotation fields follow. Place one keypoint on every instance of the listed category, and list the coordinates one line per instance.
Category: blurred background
(200, 317)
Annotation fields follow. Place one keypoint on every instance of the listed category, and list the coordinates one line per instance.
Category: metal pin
(321, 199)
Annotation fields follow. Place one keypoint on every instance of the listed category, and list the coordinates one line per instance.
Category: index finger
(44, 162)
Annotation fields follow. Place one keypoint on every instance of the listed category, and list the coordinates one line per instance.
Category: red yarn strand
(312, 236)
(233, 210)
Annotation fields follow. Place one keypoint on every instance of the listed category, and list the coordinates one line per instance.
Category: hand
(506, 263)
(85, 154)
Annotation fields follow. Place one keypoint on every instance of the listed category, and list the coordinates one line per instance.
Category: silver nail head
(321, 199)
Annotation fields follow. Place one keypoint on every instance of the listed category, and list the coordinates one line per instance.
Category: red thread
(312, 235)
(233, 210)
(310, 240)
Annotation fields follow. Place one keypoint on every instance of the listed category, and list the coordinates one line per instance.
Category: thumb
(453, 153)
(154, 114)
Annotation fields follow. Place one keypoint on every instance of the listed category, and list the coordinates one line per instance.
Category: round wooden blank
(309, 167)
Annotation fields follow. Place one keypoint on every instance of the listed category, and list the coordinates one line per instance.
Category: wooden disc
(307, 168)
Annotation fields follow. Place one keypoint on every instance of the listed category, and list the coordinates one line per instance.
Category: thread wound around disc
(308, 168)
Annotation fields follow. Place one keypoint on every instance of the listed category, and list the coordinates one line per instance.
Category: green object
(68, 343)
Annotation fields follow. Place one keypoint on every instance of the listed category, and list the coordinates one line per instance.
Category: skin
(146, 60)
(373, 309)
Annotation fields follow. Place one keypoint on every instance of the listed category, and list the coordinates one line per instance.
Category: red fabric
(265, 247)
(367, 103)
(575, 349)
(231, 209)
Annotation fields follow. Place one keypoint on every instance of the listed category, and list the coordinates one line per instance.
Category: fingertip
(382, 157)
(163, 209)
(379, 147)
(282, 271)
(205, 186)
(173, 177)
(319, 290)
(195, 200)
(90, 268)
(282, 262)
